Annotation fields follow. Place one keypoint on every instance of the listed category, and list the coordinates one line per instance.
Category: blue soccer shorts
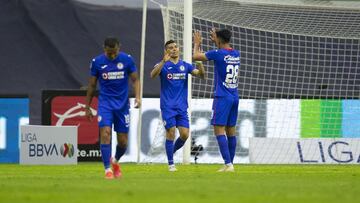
(175, 117)
(119, 117)
(225, 111)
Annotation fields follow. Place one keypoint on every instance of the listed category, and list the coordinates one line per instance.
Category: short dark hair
(169, 42)
(224, 35)
(111, 42)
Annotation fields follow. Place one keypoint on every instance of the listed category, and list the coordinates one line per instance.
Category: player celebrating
(173, 74)
(226, 98)
(112, 69)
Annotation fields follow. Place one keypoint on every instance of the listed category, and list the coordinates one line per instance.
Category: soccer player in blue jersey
(112, 69)
(173, 73)
(226, 98)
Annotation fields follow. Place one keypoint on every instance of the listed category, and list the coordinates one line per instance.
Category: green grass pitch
(192, 183)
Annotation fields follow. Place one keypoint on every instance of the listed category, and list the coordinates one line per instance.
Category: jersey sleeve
(163, 68)
(190, 67)
(211, 55)
(93, 68)
(132, 66)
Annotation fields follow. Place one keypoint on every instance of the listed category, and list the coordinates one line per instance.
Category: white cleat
(172, 168)
(227, 168)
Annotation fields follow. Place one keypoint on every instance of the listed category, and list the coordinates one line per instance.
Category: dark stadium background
(49, 44)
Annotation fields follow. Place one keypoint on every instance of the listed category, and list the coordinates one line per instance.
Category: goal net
(299, 77)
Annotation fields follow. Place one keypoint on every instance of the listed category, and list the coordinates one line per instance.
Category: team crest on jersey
(120, 65)
(169, 76)
(182, 68)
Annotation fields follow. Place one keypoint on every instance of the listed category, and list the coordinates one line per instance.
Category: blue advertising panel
(351, 118)
(13, 113)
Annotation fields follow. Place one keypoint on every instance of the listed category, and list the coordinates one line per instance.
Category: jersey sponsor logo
(120, 66)
(182, 68)
(104, 66)
(170, 68)
(99, 118)
(113, 75)
(231, 59)
(176, 76)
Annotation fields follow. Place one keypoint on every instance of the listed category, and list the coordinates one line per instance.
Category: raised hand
(166, 56)
(197, 37)
(213, 36)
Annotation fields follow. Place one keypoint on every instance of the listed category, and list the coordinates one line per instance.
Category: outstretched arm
(89, 95)
(157, 68)
(136, 86)
(198, 55)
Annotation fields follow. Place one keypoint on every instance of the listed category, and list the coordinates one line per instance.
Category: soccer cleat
(227, 168)
(116, 168)
(109, 174)
(172, 168)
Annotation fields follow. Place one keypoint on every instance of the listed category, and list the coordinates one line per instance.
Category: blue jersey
(113, 79)
(174, 84)
(227, 63)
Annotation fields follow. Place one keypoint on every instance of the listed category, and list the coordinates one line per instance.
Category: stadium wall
(49, 44)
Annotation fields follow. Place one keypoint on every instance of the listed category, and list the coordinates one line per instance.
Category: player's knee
(230, 130)
(170, 133)
(123, 142)
(105, 136)
(219, 130)
(184, 135)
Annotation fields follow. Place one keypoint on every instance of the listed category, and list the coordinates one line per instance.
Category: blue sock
(224, 148)
(119, 152)
(169, 146)
(105, 154)
(178, 144)
(232, 147)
